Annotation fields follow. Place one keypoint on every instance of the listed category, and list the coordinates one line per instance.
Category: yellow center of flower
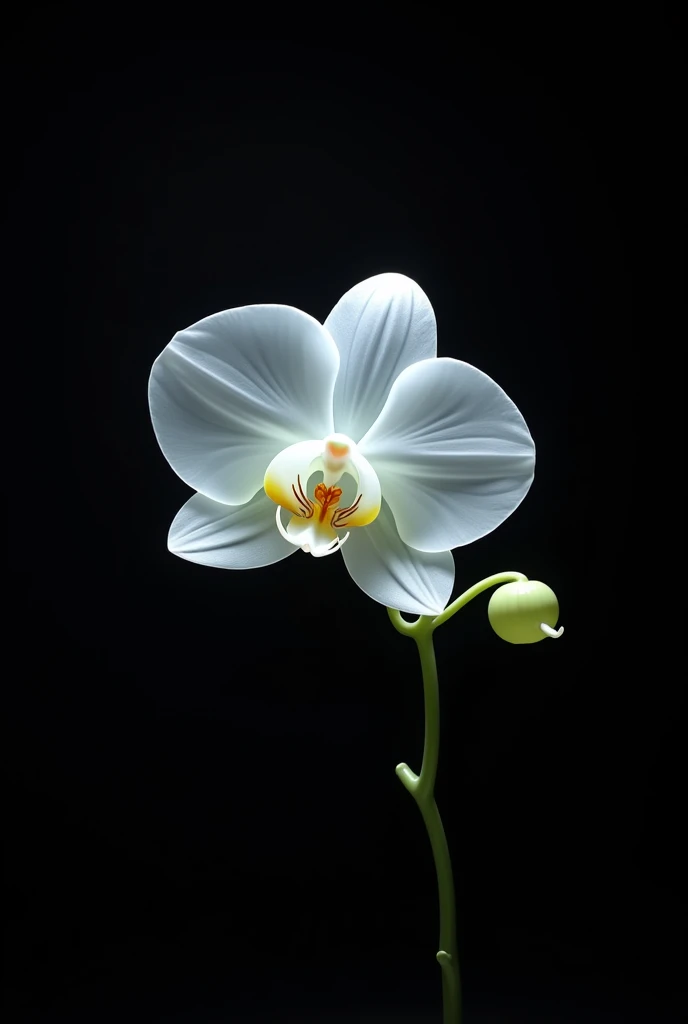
(317, 516)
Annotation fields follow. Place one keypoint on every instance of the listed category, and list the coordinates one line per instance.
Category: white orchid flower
(348, 436)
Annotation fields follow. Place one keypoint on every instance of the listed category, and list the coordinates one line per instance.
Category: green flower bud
(523, 613)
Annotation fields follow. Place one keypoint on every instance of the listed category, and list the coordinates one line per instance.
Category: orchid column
(349, 435)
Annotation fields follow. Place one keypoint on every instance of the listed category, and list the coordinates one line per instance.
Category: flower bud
(523, 613)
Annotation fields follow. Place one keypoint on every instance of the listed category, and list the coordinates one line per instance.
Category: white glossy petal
(228, 536)
(231, 391)
(386, 569)
(453, 454)
(381, 326)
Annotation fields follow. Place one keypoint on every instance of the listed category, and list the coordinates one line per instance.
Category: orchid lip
(328, 549)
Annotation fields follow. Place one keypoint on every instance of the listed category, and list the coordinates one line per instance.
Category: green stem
(421, 787)
(468, 595)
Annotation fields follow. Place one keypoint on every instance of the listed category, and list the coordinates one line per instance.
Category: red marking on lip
(326, 497)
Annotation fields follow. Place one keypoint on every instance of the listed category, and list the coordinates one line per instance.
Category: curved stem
(478, 588)
(421, 787)
(431, 694)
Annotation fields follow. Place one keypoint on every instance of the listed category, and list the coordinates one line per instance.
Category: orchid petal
(231, 391)
(228, 536)
(386, 569)
(453, 454)
(380, 326)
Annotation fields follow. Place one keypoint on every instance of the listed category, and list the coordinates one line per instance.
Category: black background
(203, 822)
